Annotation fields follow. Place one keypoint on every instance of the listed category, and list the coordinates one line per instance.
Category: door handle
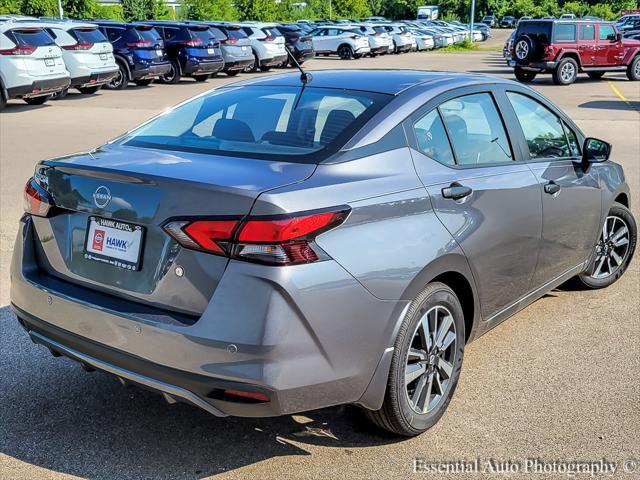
(551, 188)
(455, 191)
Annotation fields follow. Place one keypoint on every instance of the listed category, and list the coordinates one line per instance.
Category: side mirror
(595, 150)
(617, 37)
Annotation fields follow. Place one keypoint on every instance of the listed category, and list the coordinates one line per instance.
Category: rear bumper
(152, 71)
(305, 349)
(39, 88)
(380, 49)
(197, 67)
(231, 66)
(277, 60)
(98, 78)
(303, 55)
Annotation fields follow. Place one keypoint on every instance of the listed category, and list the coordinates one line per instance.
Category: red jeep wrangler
(566, 47)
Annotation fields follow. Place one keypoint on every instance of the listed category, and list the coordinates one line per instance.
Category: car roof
(68, 25)
(391, 82)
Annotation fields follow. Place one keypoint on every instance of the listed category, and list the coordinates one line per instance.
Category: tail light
(37, 201)
(279, 240)
(140, 44)
(230, 40)
(196, 42)
(79, 46)
(549, 51)
(23, 50)
(268, 38)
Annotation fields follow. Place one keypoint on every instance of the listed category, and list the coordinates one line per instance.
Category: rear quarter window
(564, 33)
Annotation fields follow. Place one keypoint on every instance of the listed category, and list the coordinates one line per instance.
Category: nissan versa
(342, 246)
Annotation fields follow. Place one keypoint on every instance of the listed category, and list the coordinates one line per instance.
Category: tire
(604, 269)
(233, 73)
(143, 82)
(524, 48)
(524, 76)
(89, 90)
(565, 72)
(60, 95)
(256, 64)
(3, 101)
(595, 75)
(37, 100)
(201, 78)
(357, 56)
(399, 414)
(345, 52)
(373, 55)
(173, 76)
(264, 68)
(121, 80)
(633, 70)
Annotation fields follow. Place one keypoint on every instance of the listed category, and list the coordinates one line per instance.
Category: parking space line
(621, 96)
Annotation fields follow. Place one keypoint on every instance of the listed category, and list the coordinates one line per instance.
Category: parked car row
(565, 48)
(44, 58)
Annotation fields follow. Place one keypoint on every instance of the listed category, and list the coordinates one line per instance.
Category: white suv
(380, 42)
(340, 40)
(31, 65)
(267, 43)
(86, 52)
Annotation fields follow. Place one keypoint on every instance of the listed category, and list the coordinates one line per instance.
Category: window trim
(561, 117)
(423, 111)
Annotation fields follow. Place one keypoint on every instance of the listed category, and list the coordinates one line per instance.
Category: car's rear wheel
(173, 75)
(524, 76)
(89, 90)
(614, 248)
(256, 64)
(345, 52)
(565, 72)
(595, 75)
(3, 100)
(201, 78)
(37, 100)
(426, 363)
(633, 70)
(121, 80)
(143, 82)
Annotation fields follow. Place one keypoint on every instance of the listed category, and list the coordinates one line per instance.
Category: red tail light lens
(37, 201)
(140, 44)
(192, 43)
(24, 50)
(79, 46)
(268, 38)
(229, 40)
(281, 240)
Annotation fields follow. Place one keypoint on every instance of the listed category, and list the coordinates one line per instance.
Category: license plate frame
(49, 62)
(107, 227)
(104, 56)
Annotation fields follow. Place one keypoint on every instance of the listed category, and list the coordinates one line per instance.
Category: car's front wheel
(173, 75)
(89, 90)
(143, 82)
(633, 70)
(426, 363)
(201, 78)
(614, 248)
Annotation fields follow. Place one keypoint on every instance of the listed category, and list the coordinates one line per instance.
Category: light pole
(471, 21)
(60, 9)
(329, 9)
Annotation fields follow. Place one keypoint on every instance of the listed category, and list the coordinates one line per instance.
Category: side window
(476, 130)
(574, 148)
(606, 32)
(432, 138)
(542, 129)
(587, 32)
(565, 32)
(114, 34)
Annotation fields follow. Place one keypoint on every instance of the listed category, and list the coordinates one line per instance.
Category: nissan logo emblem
(102, 196)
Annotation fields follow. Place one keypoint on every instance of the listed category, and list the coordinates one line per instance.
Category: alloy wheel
(430, 359)
(522, 50)
(612, 247)
(567, 72)
(636, 70)
(117, 80)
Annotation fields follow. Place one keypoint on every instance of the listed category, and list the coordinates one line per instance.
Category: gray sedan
(343, 246)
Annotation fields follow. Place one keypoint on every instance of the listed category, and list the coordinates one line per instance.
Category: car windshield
(303, 125)
(88, 35)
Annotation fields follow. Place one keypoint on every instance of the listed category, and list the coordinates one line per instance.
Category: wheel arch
(570, 54)
(623, 199)
(121, 59)
(344, 44)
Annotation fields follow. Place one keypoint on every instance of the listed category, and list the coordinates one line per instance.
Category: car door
(320, 40)
(610, 50)
(571, 196)
(587, 44)
(485, 196)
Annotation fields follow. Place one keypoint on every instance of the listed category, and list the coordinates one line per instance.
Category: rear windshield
(272, 32)
(380, 29)
(218, 33)
(299, 125)
(235, 32)
(290, 28)
(539, 30)
(30, 37)
(202, 33)
(88, 35)
(144, 32)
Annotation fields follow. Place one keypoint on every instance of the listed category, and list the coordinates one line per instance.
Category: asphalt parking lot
(558, 381)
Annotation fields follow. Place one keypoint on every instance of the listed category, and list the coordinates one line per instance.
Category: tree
(40, 8)
(209, 10)
(259, 10)
(79, 8)
(134, 10)
(603, 11)
(10, 6)
(350, 9)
